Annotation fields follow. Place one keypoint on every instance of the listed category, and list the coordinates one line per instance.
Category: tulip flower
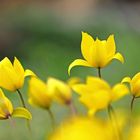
(38, 93)
(59, 90)
(12, 75)
(7, 111)
(84, 129)
(134, 86)
(97, 94)
(97, 53)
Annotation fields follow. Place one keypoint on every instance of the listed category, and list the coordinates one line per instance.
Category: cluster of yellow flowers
(95, 93)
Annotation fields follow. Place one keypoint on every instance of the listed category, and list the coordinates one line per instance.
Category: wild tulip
(97, 94)
(59, 91)
(38, 93)
(7, 111)
(97, 53)
(12, 75)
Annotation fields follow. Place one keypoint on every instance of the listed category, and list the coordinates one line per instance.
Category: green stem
(132, 103)
(23, 104)
(99, 72)
(52, 118)
(21, 98)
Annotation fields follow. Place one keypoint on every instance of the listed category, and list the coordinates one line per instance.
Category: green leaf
(22, 113)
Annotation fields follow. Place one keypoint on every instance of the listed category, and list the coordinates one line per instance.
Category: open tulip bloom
(12, 75)
(97, 53)
(134, 86)
(97, 94)
(7, 111)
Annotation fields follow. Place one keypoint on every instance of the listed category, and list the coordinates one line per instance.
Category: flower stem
(21, 98)
(99, 72)
(12, 123)
(72, 108)
(23, 104)
(52, 118)
(132, 103)
(112, 116)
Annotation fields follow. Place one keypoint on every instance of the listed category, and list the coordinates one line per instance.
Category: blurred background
(45, 35)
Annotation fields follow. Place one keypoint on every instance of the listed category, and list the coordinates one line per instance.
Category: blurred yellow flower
(134, 134)
(38, 93)
(12, 75)
(97, 94)
(7, 111)
(84, 129)
(59, 90)
(97, 53)
(134, 84)
(73, 80)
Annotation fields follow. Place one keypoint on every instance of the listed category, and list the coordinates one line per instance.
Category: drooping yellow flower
(84, 129)
(59, 90)
(134, 84)
(12, 75)
(7, 111)
(97, 94)
(97, 53)
(38, 93)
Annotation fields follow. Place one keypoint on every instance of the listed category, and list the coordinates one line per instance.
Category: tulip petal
(97, 83)
(78, 62)
(22, 113)
(119, 57)
(81, 89)
(126, 80)
(119, 91)
(86, 44)
(73, 80)
(96, 101)
(18, 67)
(8, 78)
(111, 47)
(38, 93)
(6, 62)
(29, 73)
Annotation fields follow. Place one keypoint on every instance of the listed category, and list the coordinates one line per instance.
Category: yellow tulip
(7, 111)
(97, 53)
(134, 84)
(97, 94)
(38, 93)
(12, 75)
(84, 129)
(59, 90)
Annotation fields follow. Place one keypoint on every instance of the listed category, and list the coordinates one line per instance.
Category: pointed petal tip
(126, 80)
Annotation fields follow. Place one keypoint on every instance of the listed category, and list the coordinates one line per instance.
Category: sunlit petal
(119, 91)
(78, 62)
(86, 44)
(119, 57)
(22, 113)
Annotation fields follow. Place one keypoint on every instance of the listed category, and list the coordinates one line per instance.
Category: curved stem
(52, 118)
(21, 98)
(99, 72)
(23, 104)
(132, 103)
